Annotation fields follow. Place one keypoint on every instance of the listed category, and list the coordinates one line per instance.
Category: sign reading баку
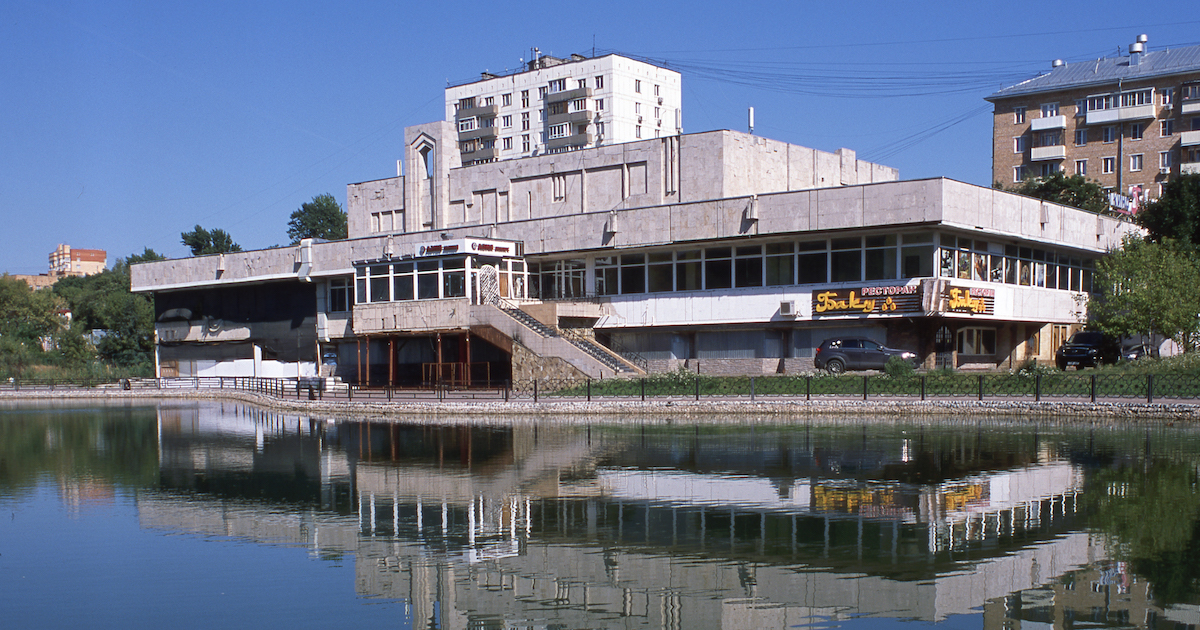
(867, 300)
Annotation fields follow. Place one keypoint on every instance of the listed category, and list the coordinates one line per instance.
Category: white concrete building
(556, 105)
(720, 252)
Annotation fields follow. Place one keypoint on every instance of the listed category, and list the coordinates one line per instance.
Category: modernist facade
(556, 105)
(719, 252)
(1129, 122)
(716, 252)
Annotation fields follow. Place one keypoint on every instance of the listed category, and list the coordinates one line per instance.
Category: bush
(1031, 368)
(898, 368)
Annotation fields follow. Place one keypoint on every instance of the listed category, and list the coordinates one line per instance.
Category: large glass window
(748, 266)
(606, 276)
(916, 256)
(427, 280)
(977, 341)
(880, 257)
(380, 279)
(633, 273)
(402, 284)
(360, 285)
(780, 263)
(812, 263)
(563, 279)
(687, 271)
(454, 277)
(658, 272)
(846, 259)
(718, 268)
(339, 295)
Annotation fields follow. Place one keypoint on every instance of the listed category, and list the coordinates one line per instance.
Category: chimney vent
(1135, 53)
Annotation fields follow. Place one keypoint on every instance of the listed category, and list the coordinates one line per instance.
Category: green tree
(322, 218)
(1075, 191)
(25, 314)
(203, 242)
(147, 255)
(104, 302)
(1175, 214)
(1147, 288)
(1155, 521)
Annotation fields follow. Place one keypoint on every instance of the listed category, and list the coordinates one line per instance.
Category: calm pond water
(203, 515)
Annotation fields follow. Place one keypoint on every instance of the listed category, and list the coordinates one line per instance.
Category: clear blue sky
(124, 123)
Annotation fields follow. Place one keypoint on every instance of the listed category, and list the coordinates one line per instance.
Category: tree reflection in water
(757, 523)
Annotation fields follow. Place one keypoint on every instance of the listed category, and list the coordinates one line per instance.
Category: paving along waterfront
(199, 513)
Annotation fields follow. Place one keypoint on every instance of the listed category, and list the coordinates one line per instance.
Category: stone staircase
(604, 356)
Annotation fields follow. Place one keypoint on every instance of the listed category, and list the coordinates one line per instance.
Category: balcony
(579, 139)
(568, 95)
(1056, 152)
(1190, 107)
(480, 155)
(1121, 114)
(1047, 123)
(575, 118)
(1189, 168)
(481, 132)
(482, 111)
(1189, 138)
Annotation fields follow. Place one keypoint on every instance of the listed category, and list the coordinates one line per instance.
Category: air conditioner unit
(639, 119)
(787, 309)
(660, 101)
(1165, 170)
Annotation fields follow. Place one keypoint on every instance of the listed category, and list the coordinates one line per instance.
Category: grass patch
(1172, 377)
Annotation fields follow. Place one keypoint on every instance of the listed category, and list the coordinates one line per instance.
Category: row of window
(553, 87)
(1131, 98)
(431, 279)
(1108, 165)
(839, 260)
(973, 259)
(1108, 135)
(852, 259)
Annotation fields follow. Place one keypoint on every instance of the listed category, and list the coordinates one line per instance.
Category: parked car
(856, 353)
(1087, 348)
(1133, 353)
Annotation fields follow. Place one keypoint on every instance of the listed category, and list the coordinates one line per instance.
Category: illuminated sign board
(885, 300)
(485, 247)
(970, 300)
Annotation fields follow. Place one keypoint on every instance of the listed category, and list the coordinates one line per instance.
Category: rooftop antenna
(751, 120)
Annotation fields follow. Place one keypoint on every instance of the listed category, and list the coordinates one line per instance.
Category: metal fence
(1035, 387)
(932, 386)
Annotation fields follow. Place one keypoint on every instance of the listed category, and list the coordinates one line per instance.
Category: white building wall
(618, 89)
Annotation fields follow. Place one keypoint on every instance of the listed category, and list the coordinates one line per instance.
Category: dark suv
(856, 353)
(1087, 349)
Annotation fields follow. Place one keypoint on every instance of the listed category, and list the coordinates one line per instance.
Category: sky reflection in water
(206, 514)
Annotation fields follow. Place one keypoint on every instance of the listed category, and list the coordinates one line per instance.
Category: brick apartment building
(1129, 122)
(68, 261)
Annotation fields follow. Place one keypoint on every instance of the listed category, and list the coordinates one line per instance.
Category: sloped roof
(1107, 71)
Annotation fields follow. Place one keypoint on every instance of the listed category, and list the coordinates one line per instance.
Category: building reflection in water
(663, 525)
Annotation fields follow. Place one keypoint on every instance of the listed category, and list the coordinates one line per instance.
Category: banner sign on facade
(487, 247)
(970, 300)
(867, 301)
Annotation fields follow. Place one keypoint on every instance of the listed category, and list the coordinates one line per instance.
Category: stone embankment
(479, 411)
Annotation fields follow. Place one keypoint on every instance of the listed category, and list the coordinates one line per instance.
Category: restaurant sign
(867, 301)
(970, 300)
